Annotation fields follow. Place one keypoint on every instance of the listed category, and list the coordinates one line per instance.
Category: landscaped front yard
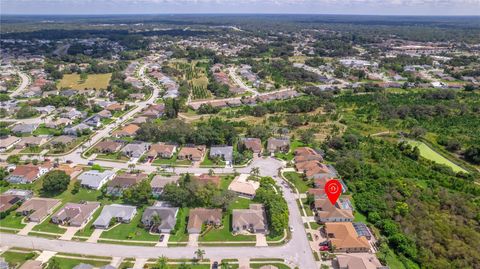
(15, 259)
(297, 179)
(180, 235)
(69, 263)
(12, 221)
(172, 161)
(290, 154)
(130, 231)
(49, 227)
(225, 232)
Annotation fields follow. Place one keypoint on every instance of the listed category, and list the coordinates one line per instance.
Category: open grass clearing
(429, 154)
(73, 81)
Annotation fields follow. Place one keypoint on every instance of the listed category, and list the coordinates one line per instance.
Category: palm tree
(162, 263)
(211, 172)
(255, 171)
(200, 253)
(156, 221)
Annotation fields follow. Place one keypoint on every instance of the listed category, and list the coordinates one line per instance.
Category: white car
(291, 229)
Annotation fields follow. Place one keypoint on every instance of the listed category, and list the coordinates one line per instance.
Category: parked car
(161, 238)
(291, 229)
(324, 248)
(215, 265)
(90, 163)
(69, 161)
(324, 243)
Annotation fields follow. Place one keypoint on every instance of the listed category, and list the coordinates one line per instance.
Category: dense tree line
(212, 132)
(413, 205)
(191, 193)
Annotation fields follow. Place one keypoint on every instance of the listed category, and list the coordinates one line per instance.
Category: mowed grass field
(97, 81)
(429, 154)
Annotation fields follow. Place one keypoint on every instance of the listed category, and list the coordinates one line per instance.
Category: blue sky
(369, 7)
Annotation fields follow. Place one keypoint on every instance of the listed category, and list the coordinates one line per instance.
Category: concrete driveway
(261, 240)
(95, 235)
(71, 231)
(164, 242)
(28, 228)
(193, 240)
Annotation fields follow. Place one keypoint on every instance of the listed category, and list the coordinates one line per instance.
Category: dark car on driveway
(215, 265)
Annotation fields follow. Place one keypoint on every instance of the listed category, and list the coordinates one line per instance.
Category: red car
(323, 248)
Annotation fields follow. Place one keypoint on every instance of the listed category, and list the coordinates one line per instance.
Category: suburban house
(24, 128)
(104, 114)
(278, 144)
(252, 220)
(128, 130)
(244, 187)
(58, 123)
(158, 183)
(12, 197)
(253, 144)
(200, 216)
(8, 143)
(37, 209)
(95, 179)
(73, 114)
(93, 121)
(223, 152)
(32, 141)
(120, 213)
(167, 218)
(206, 178)
(73, 214)
(154, 111)
(28, 173)
(108, 146)
(115, 107)
(343, 237)
(63, 139)
(304, 154)
(312, 169)
(77, 129)
(326, 212)
(360, 262)
(124, 181)
(161, 150)
(135, 149)
(192, 153)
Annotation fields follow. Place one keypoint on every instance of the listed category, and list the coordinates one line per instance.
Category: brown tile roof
(29, 172)
(343, 236)
(198, 216)
(253, 144)
(161, 149)
(195, 151)
(127, 180)
(326, 210)
(311, 168)
(40, 207)
(108, 146)
(128, 130)
(7, 201)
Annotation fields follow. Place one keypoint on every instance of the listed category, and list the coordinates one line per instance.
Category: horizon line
(243, 13)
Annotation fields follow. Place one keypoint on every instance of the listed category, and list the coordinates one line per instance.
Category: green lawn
(181, 234)
(225, 182)
(15, 259)
(69, 263)
(98, 81)
(42, 130)
(298, 181)
(49, 227)
(278, 265)
(225, 233)
(308, 210)
(12, 221)
(315, 225)
(172, 161)
(130, 231)
(115, 156)
(429, 154)
(290, 154)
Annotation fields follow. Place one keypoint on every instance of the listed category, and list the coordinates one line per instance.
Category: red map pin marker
(333, 189)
